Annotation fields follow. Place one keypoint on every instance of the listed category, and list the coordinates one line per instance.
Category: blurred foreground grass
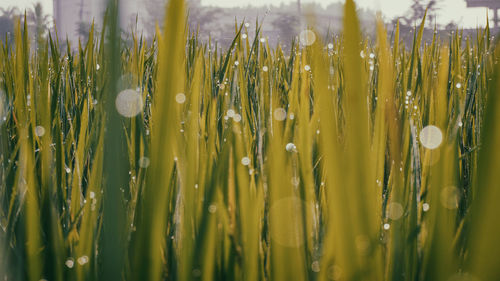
(343, 160)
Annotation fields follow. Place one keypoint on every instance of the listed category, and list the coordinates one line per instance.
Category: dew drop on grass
(129, 103)
(265, 68)
(247, 24)
(307, 67)
(394, 211)
(244, 36)
(39, 131)
(334, 272)
(236, 63)
(431, 137)
(307, 37)
(425, 207)
(196, 272)
(70, 263)
(262, 40)
(83, 260)
(180, 98)
(237, 117)
(230, 113)
(279, 114)
(458, 85)
(144, 162)
(330, 46)
(245, 161)
(387, 226)
(315, 266)
(290, 147)
(212, 208)
(372, 55)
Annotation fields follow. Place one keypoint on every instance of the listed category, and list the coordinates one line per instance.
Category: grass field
(344, 159)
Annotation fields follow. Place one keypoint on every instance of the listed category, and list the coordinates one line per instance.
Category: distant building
(490, 4)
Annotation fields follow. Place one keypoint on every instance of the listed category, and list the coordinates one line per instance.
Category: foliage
(178, 161)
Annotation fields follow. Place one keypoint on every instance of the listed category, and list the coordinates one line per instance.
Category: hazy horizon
(450, 10)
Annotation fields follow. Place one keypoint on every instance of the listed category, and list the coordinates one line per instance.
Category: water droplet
(307, 37)
(394, 211)
(196, 272)
(330, 46)
(265, 68)
(372, 55)
(68, 170)
(244, 36)
(39, 131)
(307, 67)
(97, 67)
(144, 162)
(431, 137)
(237, 117)
(263, 40)
(425, 207)
(70, 263)
(315, 266)
(212, 208)
(387, 226)
(245, 161)
(290, 147)
(458, 85)
(180, 98)
(236, 63)
(247, 24)
(334, 272)
(362, 54)
(129, 103)
(408, 93)
(279, 114)
(92, 195)
(83, 260)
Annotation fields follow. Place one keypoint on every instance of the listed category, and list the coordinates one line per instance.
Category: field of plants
(343, 159)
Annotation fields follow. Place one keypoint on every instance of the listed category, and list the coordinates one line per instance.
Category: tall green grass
(175, 160)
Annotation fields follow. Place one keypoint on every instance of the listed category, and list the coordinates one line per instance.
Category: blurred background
(282, 19)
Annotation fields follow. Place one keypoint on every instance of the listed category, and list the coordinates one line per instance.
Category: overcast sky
(450, 9)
